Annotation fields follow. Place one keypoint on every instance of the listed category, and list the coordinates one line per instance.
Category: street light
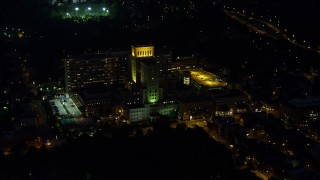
(89, 10)
(105, 10)
(77, 9)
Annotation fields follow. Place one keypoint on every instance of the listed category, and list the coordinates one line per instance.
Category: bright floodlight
(77, 9)
(89, 8)
(104, 9)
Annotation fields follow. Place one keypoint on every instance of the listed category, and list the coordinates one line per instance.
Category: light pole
(89, 9)
(77, 9)
(105, 10)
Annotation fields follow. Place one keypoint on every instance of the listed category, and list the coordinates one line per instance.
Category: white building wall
(144, 113)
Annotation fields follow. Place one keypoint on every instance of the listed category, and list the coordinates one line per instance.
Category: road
(265, 28)
(212, 133)
(44, 130)
(260, 175)
(216, 136)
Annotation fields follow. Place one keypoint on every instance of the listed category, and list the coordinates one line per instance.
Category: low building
(151, 112)
(102, 100)
(195, 107)
(229, 102)
(184, 63)
(70, 119)
(301, 112)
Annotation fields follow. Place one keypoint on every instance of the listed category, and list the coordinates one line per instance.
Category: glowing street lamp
(89, 10)
(105, 10)
(77, 9)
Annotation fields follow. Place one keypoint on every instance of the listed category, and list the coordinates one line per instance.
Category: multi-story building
(202, 81)
(304, 114)
(303, 111)
(95, 70)
(54, 2)
(152, 112)
(138, 54)
(78, 1)
(229, 102)
(146, 71)
(164, 59)
(152, 93)
(195, 107)
(183, 63)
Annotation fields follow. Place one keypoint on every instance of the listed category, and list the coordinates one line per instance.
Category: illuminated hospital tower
(145, 73)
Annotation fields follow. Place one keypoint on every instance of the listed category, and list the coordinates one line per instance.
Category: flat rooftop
(206, 78)
(103, 55)
(64, 106)
(310, 101)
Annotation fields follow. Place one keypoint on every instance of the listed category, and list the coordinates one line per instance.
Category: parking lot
(63, 106)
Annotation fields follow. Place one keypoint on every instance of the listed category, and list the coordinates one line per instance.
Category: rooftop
(84, 57)
(65, 107)
(206, 78)
(306, 102)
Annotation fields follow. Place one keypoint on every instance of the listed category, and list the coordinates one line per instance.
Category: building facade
(95, 70)
(152, 112)
(147, 69)
(152, 93)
